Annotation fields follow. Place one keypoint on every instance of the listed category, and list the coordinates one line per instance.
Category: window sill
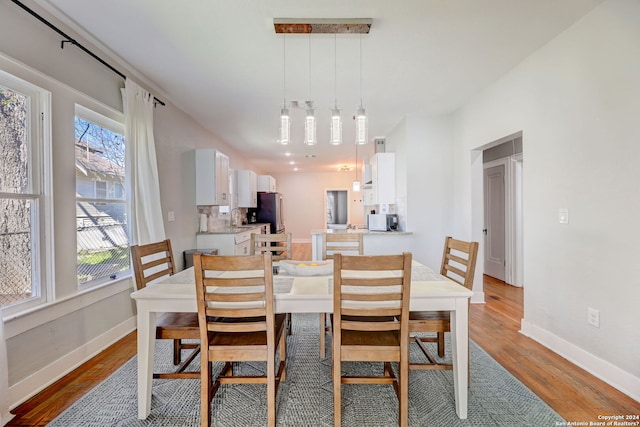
(21, 322)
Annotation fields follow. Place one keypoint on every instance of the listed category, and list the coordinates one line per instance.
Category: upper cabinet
(246, 183)
(266, 183)
(212, 177)
(383, 180)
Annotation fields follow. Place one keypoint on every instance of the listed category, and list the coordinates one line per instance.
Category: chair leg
(441, 344)
(206, 392)
(337, 391)
(283, 356)
(323, 327)
(403, 385)
(271, 389)
(177, 347)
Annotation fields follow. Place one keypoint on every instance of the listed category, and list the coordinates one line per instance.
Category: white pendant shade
(356, 186)
(285, 127)
(310, 128)
(361, 127)
(336, 127)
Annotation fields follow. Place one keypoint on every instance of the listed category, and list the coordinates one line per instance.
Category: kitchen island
(233, 240)
(375, 242)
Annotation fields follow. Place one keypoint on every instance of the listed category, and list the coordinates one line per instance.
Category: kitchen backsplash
(217, 220)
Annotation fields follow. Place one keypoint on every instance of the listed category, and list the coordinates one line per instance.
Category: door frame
(513, 254)
(324, 205)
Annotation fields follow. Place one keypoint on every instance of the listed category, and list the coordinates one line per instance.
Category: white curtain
(5, 416)
(146, 213)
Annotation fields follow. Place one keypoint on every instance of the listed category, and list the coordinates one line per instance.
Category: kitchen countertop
(234, 230)
(363, 231)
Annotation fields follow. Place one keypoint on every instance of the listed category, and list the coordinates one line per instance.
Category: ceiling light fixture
(310, 118)
(327, 26)
(285, 121)
(361, 117)
(336, 120)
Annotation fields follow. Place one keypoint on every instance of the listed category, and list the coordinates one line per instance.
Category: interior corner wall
(423, 185)
(577, 102)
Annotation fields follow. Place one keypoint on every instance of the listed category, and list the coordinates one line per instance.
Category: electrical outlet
(171, 216)
(593, 317)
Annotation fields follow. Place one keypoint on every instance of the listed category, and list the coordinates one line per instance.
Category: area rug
(496, 398)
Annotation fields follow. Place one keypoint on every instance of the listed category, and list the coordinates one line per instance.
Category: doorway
(336, 208)
(502, 195)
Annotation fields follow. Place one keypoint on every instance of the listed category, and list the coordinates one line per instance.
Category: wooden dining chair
(371, 322)
(459, 265)
(238, 324)
(278, 244)
(333, 243)
(150, 263)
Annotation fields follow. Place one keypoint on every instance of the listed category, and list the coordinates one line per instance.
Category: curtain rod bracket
(72, 41)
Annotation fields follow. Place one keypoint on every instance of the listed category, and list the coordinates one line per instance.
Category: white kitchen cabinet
(266, 183)
(383, 179)
(228, 243)
(212, 177)
(246, 183)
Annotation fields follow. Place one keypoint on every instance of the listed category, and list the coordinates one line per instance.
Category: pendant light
(310, 118)
(336, 120)
(356, 183)
(285, 121)
(361, 117)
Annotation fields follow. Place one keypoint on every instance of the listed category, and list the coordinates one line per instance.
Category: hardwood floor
(572, 392)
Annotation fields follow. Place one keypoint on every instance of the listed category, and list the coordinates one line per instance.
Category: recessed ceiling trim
(322, 25)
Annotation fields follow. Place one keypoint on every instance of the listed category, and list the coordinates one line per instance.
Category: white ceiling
(222, 62)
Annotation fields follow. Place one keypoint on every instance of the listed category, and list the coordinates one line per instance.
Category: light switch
(563, 215)
(171, 216)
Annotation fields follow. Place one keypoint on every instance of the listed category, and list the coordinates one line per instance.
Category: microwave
(382, 222)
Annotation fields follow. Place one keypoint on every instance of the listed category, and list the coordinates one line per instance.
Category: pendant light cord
(335, 70)
(309, 69)
(284, 70)
(360, 69)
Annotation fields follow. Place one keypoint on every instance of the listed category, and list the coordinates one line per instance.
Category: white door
(494, 219)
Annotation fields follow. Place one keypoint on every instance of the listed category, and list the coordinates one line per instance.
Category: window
(25, 215)
(101, 199)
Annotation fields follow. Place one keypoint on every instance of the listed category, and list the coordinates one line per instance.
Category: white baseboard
(46, 376)
(477, 298)
(607, 372)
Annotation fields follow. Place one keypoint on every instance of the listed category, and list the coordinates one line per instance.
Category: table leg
(460, 355)
(146, 349)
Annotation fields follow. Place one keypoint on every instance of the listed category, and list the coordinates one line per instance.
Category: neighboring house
(101, 225)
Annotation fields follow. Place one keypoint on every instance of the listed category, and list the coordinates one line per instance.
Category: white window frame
(40, 192)
(117, 127)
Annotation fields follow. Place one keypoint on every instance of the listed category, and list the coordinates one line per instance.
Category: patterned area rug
(496, 398)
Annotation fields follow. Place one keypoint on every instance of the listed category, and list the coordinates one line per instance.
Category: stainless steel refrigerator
(271, 210)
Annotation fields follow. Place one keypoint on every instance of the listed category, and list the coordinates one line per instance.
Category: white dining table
(303, 294)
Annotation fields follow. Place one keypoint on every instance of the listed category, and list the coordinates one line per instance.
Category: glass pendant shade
(336, 127)
(356, 186)
(285, 127)
(361, 127)
(310, 127)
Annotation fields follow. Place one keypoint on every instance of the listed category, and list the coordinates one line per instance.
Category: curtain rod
(71, 40)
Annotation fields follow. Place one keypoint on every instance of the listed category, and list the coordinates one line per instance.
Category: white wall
(577, 101)
(304, 195)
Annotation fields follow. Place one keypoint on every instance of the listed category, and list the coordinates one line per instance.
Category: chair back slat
(279, 245)
(459, 261)
(381, 292)
(232, 288)
(152, 262)
(345, 243)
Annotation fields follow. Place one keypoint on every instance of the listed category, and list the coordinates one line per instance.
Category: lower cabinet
(228, 243)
